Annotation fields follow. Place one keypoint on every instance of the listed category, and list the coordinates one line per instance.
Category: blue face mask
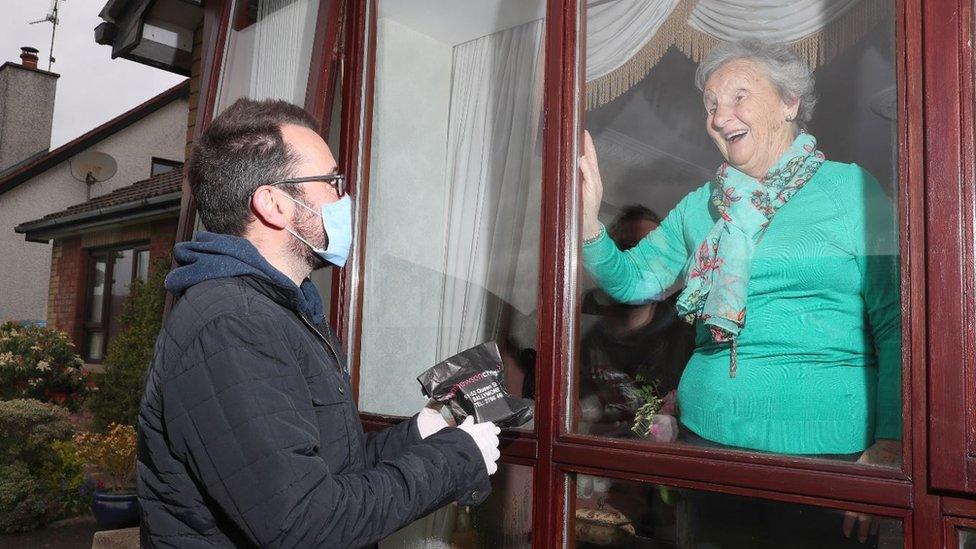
(337, 222)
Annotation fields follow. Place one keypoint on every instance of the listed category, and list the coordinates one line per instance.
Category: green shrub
(121, 385)
(65, 478)
(28, 428)
(40, 363)
(25, 503)
(40, 478)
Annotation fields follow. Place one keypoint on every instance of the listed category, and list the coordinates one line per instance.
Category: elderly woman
(790, 273)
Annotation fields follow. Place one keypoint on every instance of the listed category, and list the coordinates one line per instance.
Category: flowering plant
(655, 418)
(112, 453)
(40, 363)
(644, 417)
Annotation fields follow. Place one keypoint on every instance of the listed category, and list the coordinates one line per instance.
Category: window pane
(504, 520)
(142, 265)
(96, 345)
(121, 285)
(269, 51)
(452, 240)
(718, 212)
(613, 513)
(97, 292)
(967, 538)
(160, 166)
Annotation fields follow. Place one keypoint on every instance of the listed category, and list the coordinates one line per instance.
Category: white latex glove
(485, 435)
(430, 420)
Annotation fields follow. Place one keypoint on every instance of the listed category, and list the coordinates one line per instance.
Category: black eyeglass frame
(336, 180)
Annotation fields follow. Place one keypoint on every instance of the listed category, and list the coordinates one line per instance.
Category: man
(632, 346)
(248, 434)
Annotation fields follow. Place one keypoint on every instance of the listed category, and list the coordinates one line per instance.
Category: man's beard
(311, 229)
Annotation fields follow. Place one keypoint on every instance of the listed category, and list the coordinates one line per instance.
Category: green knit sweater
(819, 363)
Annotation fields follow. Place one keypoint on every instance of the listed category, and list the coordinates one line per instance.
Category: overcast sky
(93, 87)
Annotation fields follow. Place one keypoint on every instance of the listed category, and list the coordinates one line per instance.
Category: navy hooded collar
(210, 256)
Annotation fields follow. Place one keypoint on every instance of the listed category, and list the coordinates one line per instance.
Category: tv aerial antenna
(92, 167)
(52, 17)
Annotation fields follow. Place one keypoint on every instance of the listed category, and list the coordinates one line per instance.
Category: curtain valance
(626, 38)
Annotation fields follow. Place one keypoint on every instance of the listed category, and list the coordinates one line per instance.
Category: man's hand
(664, 428)
(430, 420)
(883, 453)
(485, 435)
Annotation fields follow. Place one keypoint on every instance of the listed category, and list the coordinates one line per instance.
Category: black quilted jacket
(248, 434)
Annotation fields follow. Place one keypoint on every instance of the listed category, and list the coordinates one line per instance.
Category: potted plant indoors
(113, 454)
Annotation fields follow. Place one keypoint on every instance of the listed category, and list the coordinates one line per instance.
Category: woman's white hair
(789, 74)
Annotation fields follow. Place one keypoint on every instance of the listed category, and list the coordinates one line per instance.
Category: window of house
(456, 135)
(268, 55)
(593, 480)
(721, 481)
(452, 205)
(789, 343)
(616, 513)
(161, 165)
(269, 50)
(110, 276)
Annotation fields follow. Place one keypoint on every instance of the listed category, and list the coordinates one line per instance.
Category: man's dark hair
(628, 215)
(240, 151)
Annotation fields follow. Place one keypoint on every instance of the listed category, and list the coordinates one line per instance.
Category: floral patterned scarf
(717, 275)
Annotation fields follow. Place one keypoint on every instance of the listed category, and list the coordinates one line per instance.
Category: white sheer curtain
(282, 49)
(492, 173)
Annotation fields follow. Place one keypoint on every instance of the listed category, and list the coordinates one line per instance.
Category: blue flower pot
(114, 511)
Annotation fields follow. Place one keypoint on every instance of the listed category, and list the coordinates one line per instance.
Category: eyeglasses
(336, 180)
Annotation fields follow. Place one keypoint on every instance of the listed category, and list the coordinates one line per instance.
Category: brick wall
(68, 290)
(69, 273)
(163, 239)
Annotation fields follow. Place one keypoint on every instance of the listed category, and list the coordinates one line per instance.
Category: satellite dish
(93, 167)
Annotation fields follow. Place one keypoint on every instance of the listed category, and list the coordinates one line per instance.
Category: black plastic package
(471, 383)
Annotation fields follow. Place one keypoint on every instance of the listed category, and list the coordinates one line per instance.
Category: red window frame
(936, 198)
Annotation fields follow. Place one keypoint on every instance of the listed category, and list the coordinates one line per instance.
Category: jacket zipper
(324, 339)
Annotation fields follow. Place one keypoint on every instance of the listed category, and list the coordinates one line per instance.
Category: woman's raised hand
(592, 188)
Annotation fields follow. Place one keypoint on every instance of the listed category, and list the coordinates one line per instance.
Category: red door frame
(936, 197)
(952, 333)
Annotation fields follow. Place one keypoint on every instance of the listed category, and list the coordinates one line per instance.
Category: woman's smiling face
(746, 117)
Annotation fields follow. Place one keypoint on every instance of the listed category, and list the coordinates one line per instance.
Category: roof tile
(162, 184)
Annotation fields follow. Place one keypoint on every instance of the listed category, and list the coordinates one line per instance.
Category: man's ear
(271, 207)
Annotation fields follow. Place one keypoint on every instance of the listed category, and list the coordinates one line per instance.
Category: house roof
(24, 171)
(155, 196)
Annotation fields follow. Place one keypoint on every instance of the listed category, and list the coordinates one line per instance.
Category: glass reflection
(269, 51)
(121, 285)
(633, 354)
(454, 183)
(967, 538)
(96, 344)
(97, 305)
(142, 265)
(779, 245)
(612, 513)
(504, 520)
